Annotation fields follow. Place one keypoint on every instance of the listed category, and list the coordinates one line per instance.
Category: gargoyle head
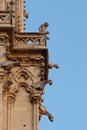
(46, 24)
(50, 82)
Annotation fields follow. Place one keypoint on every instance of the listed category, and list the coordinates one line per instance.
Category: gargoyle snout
(50, 82)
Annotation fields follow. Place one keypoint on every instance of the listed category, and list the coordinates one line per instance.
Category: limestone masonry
(24, 66)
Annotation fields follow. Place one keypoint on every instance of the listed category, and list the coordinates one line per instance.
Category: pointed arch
(24, 75)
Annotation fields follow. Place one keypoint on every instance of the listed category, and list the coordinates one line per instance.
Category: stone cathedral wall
(24, 67)
(0, 106)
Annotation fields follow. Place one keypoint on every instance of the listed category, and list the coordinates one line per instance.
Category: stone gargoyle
(9, 64)
(43, 27)
(43, 111)
(40, 85)
(50, 66)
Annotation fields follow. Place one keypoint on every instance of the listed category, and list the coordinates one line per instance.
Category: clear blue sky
(67, 98)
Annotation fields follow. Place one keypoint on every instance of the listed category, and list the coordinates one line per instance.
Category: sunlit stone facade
(24, 67)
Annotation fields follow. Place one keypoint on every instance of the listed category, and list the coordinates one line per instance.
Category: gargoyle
(43, 111)
(41, 85)
(50, 66)
(43, 27)
(26, 15)
(9, 64)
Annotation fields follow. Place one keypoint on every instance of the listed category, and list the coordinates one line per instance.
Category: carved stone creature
(41, 85)
(26, 15)
(43, 27)
(9, 64)
(4, 54)
(50, 66)
(43, 111)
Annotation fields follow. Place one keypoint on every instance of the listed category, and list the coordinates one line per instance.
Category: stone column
(2, 76)
(35, 116)
(0, 106)
(36, 99)
(4, 111)
(10, 103)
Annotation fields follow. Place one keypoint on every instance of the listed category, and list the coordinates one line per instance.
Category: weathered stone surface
(23, 69)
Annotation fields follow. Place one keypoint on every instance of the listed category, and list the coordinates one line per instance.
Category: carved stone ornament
(2, 75)
(28, 61)
(6, 86)
(5, 18)
(24, 67)
(39, 86)
(36, 96)
(43, 111)
(11, 97)
(43, 27)
(4, 40)
(50, 66)
(30, 40)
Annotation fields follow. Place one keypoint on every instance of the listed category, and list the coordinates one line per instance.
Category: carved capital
(6, 86)
(36, 97)
(2, 75)
(11, 97)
